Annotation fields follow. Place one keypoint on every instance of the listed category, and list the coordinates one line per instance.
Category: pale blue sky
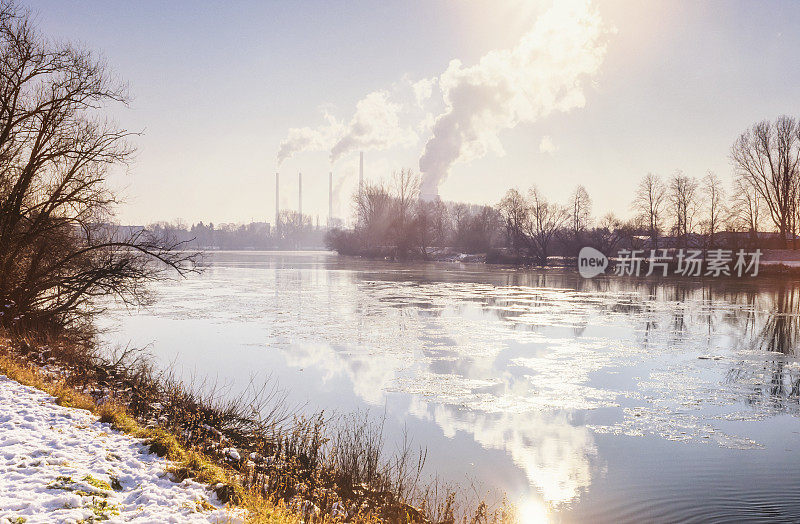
(217, 85)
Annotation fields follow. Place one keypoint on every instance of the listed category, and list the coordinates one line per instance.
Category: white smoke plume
(309, 139)
(543, 74)
(423, 89)
(343, 179)
(374, 125)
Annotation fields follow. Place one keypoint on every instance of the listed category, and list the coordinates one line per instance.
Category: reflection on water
(559, 376)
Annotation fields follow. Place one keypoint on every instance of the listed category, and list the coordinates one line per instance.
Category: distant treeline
(761, 207)
(391, 220)
(291, 232)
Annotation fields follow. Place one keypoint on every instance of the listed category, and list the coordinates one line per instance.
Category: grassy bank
(252, 451)
(186, 462)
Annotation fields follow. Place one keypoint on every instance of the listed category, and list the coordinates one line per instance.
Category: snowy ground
(60, 464)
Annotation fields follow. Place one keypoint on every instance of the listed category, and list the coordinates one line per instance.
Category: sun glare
(533, 512)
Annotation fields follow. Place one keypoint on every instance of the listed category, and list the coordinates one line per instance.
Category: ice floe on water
(535, 364)
(61, 465)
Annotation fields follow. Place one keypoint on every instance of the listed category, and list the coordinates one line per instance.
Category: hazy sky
(596, 96)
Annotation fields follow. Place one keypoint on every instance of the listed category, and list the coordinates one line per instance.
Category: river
(600, 400)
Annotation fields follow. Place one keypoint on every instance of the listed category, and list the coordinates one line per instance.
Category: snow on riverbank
(61, 464)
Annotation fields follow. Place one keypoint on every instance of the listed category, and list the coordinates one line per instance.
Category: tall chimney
(277, 203)
(360, 172)
(330, 199)
(300, 196)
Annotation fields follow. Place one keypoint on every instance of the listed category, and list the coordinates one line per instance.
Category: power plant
(300, 193)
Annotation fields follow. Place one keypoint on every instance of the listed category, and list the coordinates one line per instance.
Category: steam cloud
(375, 125)
(308, 139)
(342, 179)
(544, 73)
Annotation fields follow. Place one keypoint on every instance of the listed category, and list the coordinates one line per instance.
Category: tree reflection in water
(775, 383)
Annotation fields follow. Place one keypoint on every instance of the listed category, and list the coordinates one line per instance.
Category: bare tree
(546, 219)
(715, 206)
(603, 234)
(374, 210)
(516, 215)
(440, 223)
(292, 228)
(746, 209)
(405, 192)
(422, 229)
(532, 223)
(767, 156)
(461, 221)
(649, 205)
(475, 227)
(58, 251)
(580, 211)
(682, 197)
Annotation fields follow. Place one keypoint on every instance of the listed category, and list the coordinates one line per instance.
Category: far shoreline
(768, 268)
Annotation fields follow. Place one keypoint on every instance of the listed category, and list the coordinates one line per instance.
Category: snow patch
(61, 464)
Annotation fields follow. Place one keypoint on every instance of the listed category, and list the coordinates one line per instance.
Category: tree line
(391, 220)
(760, 207)
(292, 231)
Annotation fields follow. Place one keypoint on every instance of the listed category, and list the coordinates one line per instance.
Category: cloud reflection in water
(521, 361)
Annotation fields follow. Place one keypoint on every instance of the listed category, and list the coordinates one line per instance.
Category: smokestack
(330, 199)
(360, 172)
(300, 196)
(277, 203)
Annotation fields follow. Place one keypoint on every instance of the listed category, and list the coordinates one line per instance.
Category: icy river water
(600, 400)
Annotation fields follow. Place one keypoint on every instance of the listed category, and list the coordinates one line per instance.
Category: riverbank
(772, 263)
(62, 464)
(84, 423)
(238, 450)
